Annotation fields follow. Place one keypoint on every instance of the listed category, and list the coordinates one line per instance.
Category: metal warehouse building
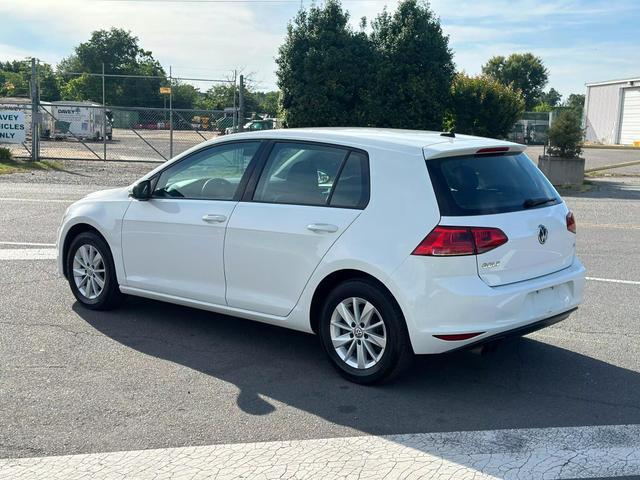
(612, 112)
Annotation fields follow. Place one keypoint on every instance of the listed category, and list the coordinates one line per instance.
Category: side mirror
(142, 190)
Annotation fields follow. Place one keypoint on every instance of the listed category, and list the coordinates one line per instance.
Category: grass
(585, 187)
(18, 166)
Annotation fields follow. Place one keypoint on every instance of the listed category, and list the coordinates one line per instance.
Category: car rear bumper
(519, 331)
(442, 303)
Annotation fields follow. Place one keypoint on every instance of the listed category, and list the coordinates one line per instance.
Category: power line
(232, 1)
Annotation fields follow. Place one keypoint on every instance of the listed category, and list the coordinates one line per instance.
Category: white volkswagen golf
(385, 243)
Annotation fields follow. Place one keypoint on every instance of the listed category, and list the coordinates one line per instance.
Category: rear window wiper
(536, 202)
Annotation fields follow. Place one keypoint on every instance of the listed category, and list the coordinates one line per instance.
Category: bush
(565, 135)
(5, 154)
(483, 106)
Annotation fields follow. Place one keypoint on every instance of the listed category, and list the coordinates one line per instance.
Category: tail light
(571, 222)
(449, 241)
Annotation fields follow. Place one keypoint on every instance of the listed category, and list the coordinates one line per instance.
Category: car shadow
(599, 188)
(526, 383)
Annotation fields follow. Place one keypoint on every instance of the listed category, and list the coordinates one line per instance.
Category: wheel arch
(335, 278)
(72, 233)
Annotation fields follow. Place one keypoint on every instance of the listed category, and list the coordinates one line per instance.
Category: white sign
(12, 127)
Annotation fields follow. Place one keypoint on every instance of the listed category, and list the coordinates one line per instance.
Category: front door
(306, 197)
(173, 243)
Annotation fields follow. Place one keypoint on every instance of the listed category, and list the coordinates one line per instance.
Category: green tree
(221, 96)
(483, 106)
(323, 69)
(552, 97)
(525, 72)
(268, 102)
(122, 55)
(543, 107)
(413, 68)
(566, 135)
(185, 95)
(15, 77)
(575, 101)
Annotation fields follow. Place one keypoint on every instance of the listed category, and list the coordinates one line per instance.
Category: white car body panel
(270, 253)
(273, 264)
(168, 247)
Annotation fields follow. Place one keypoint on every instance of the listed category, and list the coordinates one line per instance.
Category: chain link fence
(98, 130)
(86, 131)
(83, 131)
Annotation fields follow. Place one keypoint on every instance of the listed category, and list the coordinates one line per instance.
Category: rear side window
(488, 184)
(351, 189)
(310, 174)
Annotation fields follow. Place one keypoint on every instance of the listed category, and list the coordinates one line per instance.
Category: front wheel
(363, 332)
(91, 272)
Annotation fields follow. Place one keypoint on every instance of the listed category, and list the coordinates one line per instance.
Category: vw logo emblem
(543, 233)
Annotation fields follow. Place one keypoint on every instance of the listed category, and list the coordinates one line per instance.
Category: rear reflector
(458, 336)
(571, 222)
(449, 241)
(484, 151)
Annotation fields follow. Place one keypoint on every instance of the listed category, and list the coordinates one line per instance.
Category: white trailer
(84, 120)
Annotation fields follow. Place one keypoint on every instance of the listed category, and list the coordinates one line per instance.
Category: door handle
(322, 228)
(212, 218)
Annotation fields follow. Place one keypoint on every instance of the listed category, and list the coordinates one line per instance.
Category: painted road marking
(51, 254)
(38, 200)
(619, 226)
(28, 254)
(572, 452)
(613, 280)
(29, 244)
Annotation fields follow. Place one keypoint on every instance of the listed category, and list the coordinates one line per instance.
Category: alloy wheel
(358, 333)
(89, 272)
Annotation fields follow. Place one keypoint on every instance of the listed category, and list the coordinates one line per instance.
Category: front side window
(210, 174)
(299, 174)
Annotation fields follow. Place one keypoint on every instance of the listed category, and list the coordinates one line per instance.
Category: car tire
(91, 272)
(362, 359)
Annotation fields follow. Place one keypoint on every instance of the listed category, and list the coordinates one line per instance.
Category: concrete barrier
(561, 170)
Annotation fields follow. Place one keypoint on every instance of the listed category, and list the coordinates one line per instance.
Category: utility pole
(241, 102)
(35, 123)
(104, 119)
(170, 113)
(235, 101)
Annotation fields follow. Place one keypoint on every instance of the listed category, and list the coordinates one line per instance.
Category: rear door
(510, 193)
(304, 198)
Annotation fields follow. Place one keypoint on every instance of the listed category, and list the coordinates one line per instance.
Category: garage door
(630, 125)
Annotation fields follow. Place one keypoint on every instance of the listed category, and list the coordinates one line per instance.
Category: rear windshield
(486, 184)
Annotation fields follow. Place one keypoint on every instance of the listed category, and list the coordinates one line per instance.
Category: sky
(579, 41)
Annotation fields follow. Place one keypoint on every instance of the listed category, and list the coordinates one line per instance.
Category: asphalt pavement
(152, 375)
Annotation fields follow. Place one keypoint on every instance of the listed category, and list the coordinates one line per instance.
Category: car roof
(433, 144)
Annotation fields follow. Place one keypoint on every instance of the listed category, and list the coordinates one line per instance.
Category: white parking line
(610, 225)
(37, 200)
(29, 244)
(51, 254)
(573, 452)
(613, 280)
(28, 254)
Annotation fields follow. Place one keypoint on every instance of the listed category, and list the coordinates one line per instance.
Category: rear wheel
(363, 332)
(91, 272)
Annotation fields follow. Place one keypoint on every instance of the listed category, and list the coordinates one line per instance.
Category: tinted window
(211, 174)
(481, 185)
(299, 174)
(352, 187)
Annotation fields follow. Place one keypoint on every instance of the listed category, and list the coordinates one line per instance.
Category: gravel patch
(78, 172)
